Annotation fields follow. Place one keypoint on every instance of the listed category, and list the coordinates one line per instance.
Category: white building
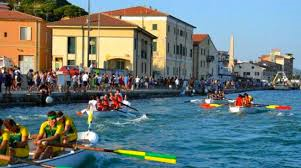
(249, 70)
(205, 59)
(224, 71)
(172, 50)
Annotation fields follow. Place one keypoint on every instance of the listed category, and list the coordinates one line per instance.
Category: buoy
(49, 100)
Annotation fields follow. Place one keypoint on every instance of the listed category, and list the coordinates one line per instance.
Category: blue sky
(257, 25)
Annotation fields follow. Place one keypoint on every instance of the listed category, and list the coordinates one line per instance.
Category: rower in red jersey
(239, 101)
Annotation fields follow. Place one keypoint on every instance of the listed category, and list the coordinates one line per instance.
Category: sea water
(198, 137)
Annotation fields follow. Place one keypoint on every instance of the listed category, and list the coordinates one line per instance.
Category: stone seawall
(23, 99)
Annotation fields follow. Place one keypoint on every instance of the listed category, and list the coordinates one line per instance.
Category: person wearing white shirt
(85, 79)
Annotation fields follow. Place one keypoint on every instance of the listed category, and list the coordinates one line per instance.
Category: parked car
(70, 69)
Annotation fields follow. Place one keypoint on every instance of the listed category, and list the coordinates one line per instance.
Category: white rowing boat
(220, 101)
(69, 157)
(237, 109)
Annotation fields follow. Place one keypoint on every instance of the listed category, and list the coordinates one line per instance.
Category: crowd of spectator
(14, 80)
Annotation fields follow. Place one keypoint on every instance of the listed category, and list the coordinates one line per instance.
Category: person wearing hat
(70, 132)
(50, 133)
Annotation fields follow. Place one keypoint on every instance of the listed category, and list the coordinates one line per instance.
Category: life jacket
(239, 102)
(72, 128)
(116, 104)
(4, 151)
(51, 132)
(100, 106)
(105, 103)
(119, 98)
(247, 101)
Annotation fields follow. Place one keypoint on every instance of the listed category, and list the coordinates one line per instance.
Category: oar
(9, 158)
(128, 106)
(125, 112)
(151, 156)
(210, 106)
(272, 106)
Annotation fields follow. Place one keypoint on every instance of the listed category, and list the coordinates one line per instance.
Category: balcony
(210, 58)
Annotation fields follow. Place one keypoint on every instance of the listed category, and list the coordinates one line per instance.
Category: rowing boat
(69, 157)
(123, 111)
(237, 109)
(217, 101)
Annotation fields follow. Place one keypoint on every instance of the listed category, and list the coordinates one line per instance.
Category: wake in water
(132, 121)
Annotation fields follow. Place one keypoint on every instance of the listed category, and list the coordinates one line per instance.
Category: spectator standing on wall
(137, 81)
(29, 78)
(1, 80)
(8, 81)
(85, 79)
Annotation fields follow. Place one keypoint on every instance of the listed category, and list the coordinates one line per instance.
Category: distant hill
(50, 10)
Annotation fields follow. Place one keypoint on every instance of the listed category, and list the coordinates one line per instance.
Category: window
(155, 27)
(168, 28)
(5, 34)
(142, 67)
(181, 49)
(181, 33)
(71, 45)
(71, 62)
(92, 45)
(178, 50)
(167, 47)
(135, 43)
(154, 46)
(256, 73)
(25, 33)
(246, 73)
(174, 49)
(167, 70)
(190, 52)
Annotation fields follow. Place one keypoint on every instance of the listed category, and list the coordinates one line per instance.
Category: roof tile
(16, 15)
(95, 20)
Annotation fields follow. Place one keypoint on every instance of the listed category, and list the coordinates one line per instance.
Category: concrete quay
(22, 98)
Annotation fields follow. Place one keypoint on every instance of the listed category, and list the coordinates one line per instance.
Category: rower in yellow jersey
(52, 130)
(70, 132)
(18, 141)
(4, 138)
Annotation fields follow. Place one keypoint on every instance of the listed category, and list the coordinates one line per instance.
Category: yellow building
(172, 51)
(113, 44)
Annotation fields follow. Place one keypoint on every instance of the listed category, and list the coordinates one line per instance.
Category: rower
(115, 104)
(239, 101)
(246, 100)
(4, 138)
(99, 105)
(50, 133)
(70, 132)
(106, 103)
(18, 141)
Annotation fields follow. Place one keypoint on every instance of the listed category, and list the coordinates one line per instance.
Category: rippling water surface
(198, 137)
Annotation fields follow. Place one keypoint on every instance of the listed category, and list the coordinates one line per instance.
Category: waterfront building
(205, 57)
(24, 40)
(172, 50)
(271, 69)
(113, 44)
(248, 70)
(224, 71)
(286, 60)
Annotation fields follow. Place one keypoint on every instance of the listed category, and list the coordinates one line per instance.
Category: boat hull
(236, 109)
(69, 157)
